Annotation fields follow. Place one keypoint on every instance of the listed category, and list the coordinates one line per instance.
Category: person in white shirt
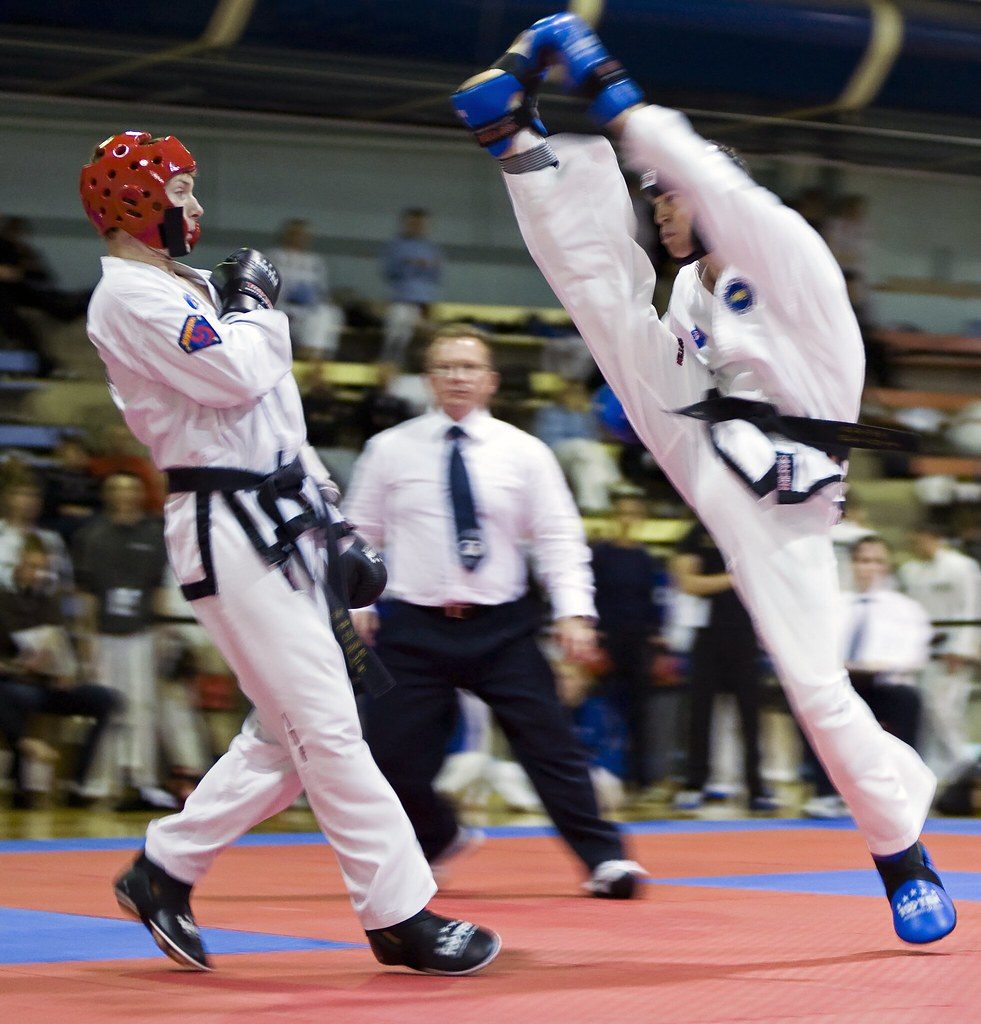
(948, 584)
(886, 638)
(759, 350)
(457, 501)
(315, 322)
(199, 364)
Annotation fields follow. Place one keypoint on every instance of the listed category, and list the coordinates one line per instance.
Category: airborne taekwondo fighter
(199, 365)
(761, 352)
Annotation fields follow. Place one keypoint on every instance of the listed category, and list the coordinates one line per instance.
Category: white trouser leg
(279, 644)
(127, 664)
(784, 569)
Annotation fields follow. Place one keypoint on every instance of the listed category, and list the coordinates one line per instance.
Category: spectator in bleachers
(571, 429)
(849, 237)
(565, 353)
(315, 321)
(39, 672)
(725, 658)
(380, 409)
(948, 585)
(629, 581)
(887, 643)
(122, 453)
(120, 561)
(20, 505)
(412, 265)
(812, 204)
(71, 489)
(26, 282)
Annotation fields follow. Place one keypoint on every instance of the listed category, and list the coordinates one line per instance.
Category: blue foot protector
(921, 909)
(592, 72)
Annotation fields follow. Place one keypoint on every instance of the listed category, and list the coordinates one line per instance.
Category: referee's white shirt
(399, 500)
(894, 632)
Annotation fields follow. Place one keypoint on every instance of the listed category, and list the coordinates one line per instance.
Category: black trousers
(629, 686)
(19, 701)
(897, 708)
(494, 654)
(724, 661)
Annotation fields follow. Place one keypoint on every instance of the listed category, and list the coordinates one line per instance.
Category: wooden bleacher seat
(342, 375)
(451, 312)
(654, 532)
(908, 398)
(946, 465)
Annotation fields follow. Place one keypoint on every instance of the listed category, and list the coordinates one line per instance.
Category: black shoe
(21, 800)
(435, 945)
(78, 801)
(162, 903)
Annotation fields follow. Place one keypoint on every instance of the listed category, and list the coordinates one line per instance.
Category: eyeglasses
(458, 369)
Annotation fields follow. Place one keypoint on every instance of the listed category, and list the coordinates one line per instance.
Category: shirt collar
(476, 424)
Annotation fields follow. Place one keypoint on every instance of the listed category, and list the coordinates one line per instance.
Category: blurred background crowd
(110, 695)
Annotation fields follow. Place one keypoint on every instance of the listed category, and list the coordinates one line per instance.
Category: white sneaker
(614, 879)
(826, 807)
(466, 842)
(688, 800)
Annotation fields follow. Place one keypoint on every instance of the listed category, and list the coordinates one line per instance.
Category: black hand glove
(245, 281)
(364, 571)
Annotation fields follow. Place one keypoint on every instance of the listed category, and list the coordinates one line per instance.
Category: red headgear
(123, 187)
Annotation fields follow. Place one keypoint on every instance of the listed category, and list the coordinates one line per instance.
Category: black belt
(835, 437)
(363, 666)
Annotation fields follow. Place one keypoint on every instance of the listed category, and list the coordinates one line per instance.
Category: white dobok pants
(578, 224)
(303, 735)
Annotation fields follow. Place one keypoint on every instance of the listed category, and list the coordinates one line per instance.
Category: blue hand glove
(590, 70)
(498, 108)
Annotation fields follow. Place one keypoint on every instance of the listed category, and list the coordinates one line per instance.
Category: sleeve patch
(196, 334)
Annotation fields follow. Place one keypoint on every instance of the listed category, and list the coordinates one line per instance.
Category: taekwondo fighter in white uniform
(763, 317)
(199, 365)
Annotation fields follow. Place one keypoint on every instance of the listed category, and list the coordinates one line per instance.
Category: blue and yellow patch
(197, 334)
(738, 296)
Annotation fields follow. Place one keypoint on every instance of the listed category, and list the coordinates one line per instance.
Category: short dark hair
(872, 538)
(415, 211)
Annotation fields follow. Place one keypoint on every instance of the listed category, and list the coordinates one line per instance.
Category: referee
(458, 500)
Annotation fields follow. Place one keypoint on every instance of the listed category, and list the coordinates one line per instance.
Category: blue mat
(40, 936)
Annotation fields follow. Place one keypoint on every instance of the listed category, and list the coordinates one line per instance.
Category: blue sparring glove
(591, 71)
(495, 110)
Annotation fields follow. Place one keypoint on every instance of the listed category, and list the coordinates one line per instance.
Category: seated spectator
(26, 282)
(315, 321)
(120, 560)
(887, 643)
(412, 265)
(565, 353)
(20, 506)
(379, 409)
(629, 582)
(71, 489)
(39, 672)
(570, 428)
(121, 453)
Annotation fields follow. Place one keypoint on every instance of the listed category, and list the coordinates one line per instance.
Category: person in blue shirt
(412, 265)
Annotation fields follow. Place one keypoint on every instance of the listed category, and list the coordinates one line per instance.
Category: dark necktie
(860, 623)
(469, 545)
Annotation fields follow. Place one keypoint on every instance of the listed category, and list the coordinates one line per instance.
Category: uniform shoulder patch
(197, 334)
(738, 296)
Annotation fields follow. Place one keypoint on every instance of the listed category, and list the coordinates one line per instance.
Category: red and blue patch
(197, 334)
